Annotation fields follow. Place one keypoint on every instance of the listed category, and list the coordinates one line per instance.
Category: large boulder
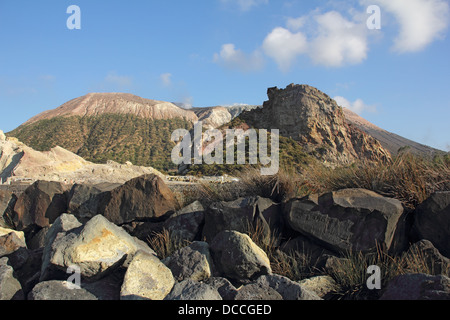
(432, 221)
(10, 288)
(39, 205)
(192, 262)
(59, 290)
(96, 248)
(147, 278)
(346, 220)
(186, 224)
(237, 257)
(417, 287)
(240, 214)
(83, 200)
(140, 199)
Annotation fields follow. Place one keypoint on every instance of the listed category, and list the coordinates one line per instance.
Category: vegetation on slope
(120, 138)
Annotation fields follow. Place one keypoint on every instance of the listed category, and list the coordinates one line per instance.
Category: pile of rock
(95, 237)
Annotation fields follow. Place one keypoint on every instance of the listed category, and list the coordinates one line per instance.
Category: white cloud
(339, 41)
(245, 5)
(117, 80)
(233, 58)
(166, 79)
(284, 46)
(421, 21)
(295, 24)
(358, 106)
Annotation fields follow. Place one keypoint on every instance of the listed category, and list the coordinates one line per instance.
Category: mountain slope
(391, 141)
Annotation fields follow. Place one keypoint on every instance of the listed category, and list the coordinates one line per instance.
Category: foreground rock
(432, 221)
(418, 287)
(240, 214)
(147, 278)
(10, 288)
(238, 257)
(59, 290)
(351, 219)
(288, 289)
(39, 205)
(191, 290)
(192, 262)
(143, 198)
(97, 248)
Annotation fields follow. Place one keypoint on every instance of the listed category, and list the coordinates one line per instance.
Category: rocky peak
(312, 118)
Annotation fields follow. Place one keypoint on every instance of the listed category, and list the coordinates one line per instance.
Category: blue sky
(222, 52)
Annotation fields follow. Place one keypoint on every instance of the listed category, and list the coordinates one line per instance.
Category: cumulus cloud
(233, 58)
(421, 21)
(358, 106)
(339, 41)
(166, 79)
(284, 46)
(245, 5)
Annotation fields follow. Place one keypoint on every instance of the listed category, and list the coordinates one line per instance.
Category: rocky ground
(105, 236)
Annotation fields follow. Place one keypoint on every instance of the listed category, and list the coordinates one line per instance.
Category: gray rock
(350, 219)
(189, 290)
(186, 226)
(239, 214)
(96, 248)
(288, 289)
(226, 290)
(83, 202)
(257, 291)
(147, 278)
(63, 224)
(59, 290)
(417, 287)
(192, 262)
(432, 221)
(10, 288)
(237, 257)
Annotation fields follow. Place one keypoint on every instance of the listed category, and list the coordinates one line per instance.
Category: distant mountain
(391, 141)
(109, 126)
